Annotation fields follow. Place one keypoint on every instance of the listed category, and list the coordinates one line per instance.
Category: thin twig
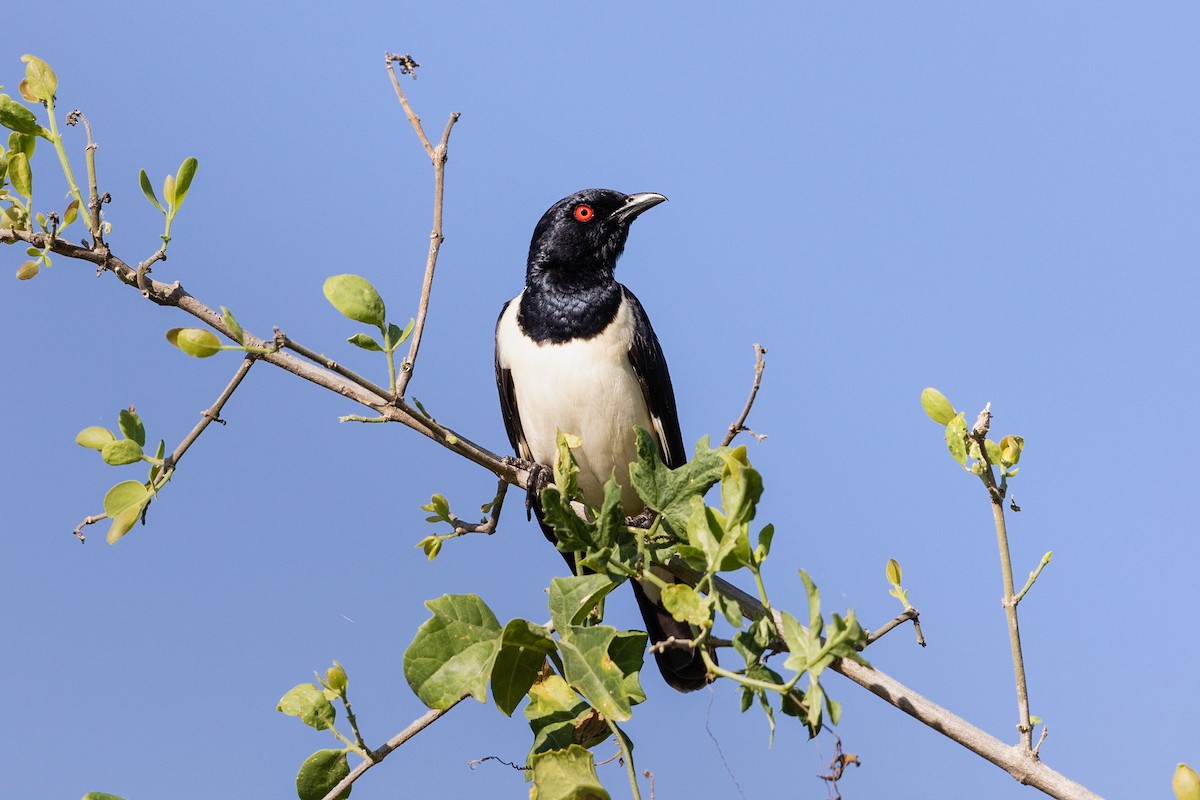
(909, 613)
(419, 724)
(488, 526)
(208, 416)
(1033, 576)
(739, 424)
(996, 496)
(409, 67)
(435, 243)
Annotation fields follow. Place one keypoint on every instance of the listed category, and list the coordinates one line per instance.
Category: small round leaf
(195, 341)
(120, 452)
(320, 772)
(308, 703)
(1186, 783)
(936, 405)
(356, 298)
(94, 437)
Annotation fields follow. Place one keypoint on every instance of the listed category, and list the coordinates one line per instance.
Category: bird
(575, 352)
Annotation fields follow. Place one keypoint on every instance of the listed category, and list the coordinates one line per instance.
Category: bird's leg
(539, 478)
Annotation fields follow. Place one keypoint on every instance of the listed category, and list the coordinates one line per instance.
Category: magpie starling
(575, 352)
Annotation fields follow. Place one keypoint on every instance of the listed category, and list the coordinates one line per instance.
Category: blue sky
(1000, 202)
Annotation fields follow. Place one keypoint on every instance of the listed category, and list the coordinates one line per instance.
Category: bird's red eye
(584, 213)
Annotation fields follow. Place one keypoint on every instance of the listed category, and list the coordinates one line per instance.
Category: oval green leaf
(19, 174)
(120, 452)
(364, 341)
(234, 328)
(894, 575)
(195, 341)
(125, 495)
(40, 81)
(1185, 783)
(183, 179)
(131, 426)
(94, 437)
(320, 772)
(17, 117)
(308, 703)
(936, 405)
(148, 190)
(168, 191)
(356, 298)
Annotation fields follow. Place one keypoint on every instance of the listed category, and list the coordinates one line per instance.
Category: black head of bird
(577, 241)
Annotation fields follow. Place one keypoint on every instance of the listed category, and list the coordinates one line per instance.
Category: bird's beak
(635, 204)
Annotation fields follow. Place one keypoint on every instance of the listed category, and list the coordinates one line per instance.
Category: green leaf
(335, 676)
(741, 488)
(120, 452)
(397, 336)
(589, 668)
(567, 775)
(956, 438)
(309, 703)
(94, 437)
(453, 651)
(628, 653)
(17, 117)
(893, 572)
(168, 191)
(1185, 783)
(227, 317)
(730, 608)
(124, 504)
(572, 599)
(523, 650)
(101, 796)
(40, 81)
(686, 605)
(560, 718)
(71, 213)
(183, 180)
(936, 406)
(365, 342)
(148, 190)
(993, 451)
(196, 342)
(19, 174)
(670, 492)
(22, 143)
(320, 772)
(131, 426)
(1011, 448)
(356, 298)
(765, 537)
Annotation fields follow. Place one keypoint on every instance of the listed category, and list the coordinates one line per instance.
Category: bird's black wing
(650, 366)
(508, 401)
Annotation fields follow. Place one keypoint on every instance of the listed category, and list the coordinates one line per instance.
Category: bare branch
(909, 613)
(435, 243)
(739, 424)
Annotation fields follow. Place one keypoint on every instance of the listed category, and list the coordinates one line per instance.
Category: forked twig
(739, 424)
